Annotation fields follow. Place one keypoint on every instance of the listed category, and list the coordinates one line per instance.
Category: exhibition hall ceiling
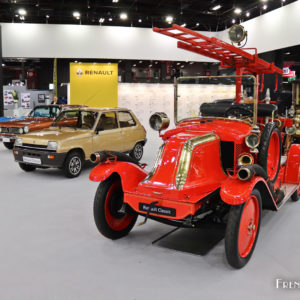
(195, 14)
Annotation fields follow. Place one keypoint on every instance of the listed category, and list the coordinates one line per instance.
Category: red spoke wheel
(270, 151)
(242, 230)
(107, 204)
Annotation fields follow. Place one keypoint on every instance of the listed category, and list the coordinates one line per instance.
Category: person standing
(54, 101)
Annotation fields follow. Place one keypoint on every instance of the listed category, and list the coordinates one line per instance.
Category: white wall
(82, 41)
(274, 30)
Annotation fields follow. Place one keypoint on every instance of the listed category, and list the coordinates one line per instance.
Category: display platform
(198, 241)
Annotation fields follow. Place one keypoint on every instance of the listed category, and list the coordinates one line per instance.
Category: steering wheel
(237, 111)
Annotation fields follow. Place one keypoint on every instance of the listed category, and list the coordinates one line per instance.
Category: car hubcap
(248, 226)
(75, 165)
(273, 155)
(113, 203)
(138, 151)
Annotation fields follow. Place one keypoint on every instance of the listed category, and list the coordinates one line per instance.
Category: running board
(288, 190)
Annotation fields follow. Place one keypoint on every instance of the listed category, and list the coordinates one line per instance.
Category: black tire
(73, 163)
(26, 167)
(105, 213)
(264, 148)
(232, 234)
(9, 146)
(137, 152)
(295, 196)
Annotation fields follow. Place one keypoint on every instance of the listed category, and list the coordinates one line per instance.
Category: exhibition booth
(180, 150)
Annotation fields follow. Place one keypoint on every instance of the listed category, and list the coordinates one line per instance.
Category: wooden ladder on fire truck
(229, 55)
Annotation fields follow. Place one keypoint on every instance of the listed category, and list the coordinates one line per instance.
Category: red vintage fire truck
(227, 164)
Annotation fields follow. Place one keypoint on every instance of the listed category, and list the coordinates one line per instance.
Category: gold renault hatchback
(78, 133)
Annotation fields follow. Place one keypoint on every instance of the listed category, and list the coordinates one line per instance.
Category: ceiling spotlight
(237, 11)
(197, 24)
(47, 16)
(183, 25)
(76, 14)
(134, 65)
(140, 61)
(110, 19)
(178, 63)
(233, 21)
(150, 66)
(247, 14)
(22, 12)
(264, 0)
(265, 7)
(3, 65)
(156, 62)
(123, 16)
(22, 18)
(282, 1)
(287, 53)
(140, 20)
(115, 1)
(101, 20)
(169, 19)
(217, 7)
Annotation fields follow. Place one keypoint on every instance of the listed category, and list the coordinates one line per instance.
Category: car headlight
(252, 140)
(20, 130)
(52, 146)
(26, 129)
(18, 142)
(159, 121)
(290, 130)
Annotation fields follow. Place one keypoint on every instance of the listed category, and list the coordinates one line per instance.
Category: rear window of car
(126, 119)
(107, 121)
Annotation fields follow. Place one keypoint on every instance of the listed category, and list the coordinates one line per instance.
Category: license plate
(6, 140)
(159, 210)
(32, 160)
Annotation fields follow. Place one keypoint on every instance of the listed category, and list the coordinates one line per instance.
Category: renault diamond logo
(79, 72)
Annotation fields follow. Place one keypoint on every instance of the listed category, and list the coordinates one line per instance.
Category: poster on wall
(8, 97)
(25, 100)
(41, 98)
(95, 85)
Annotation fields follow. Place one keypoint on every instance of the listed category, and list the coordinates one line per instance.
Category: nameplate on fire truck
(158, 210)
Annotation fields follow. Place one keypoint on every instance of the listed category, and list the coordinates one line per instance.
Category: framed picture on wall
(41, 98)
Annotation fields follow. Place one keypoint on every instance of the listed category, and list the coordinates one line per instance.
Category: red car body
(221, 167)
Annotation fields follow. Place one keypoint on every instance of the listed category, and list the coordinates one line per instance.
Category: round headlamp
(18, 142)
(26, 129)
(52, 146)
(159, 121)
(252, 140)
(290, 130)
(20, 130)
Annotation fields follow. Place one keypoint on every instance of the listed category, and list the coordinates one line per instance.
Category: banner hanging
(94, 84)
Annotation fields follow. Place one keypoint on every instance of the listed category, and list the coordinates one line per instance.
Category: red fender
(292, 170)
(131, 174)
(235, 191)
